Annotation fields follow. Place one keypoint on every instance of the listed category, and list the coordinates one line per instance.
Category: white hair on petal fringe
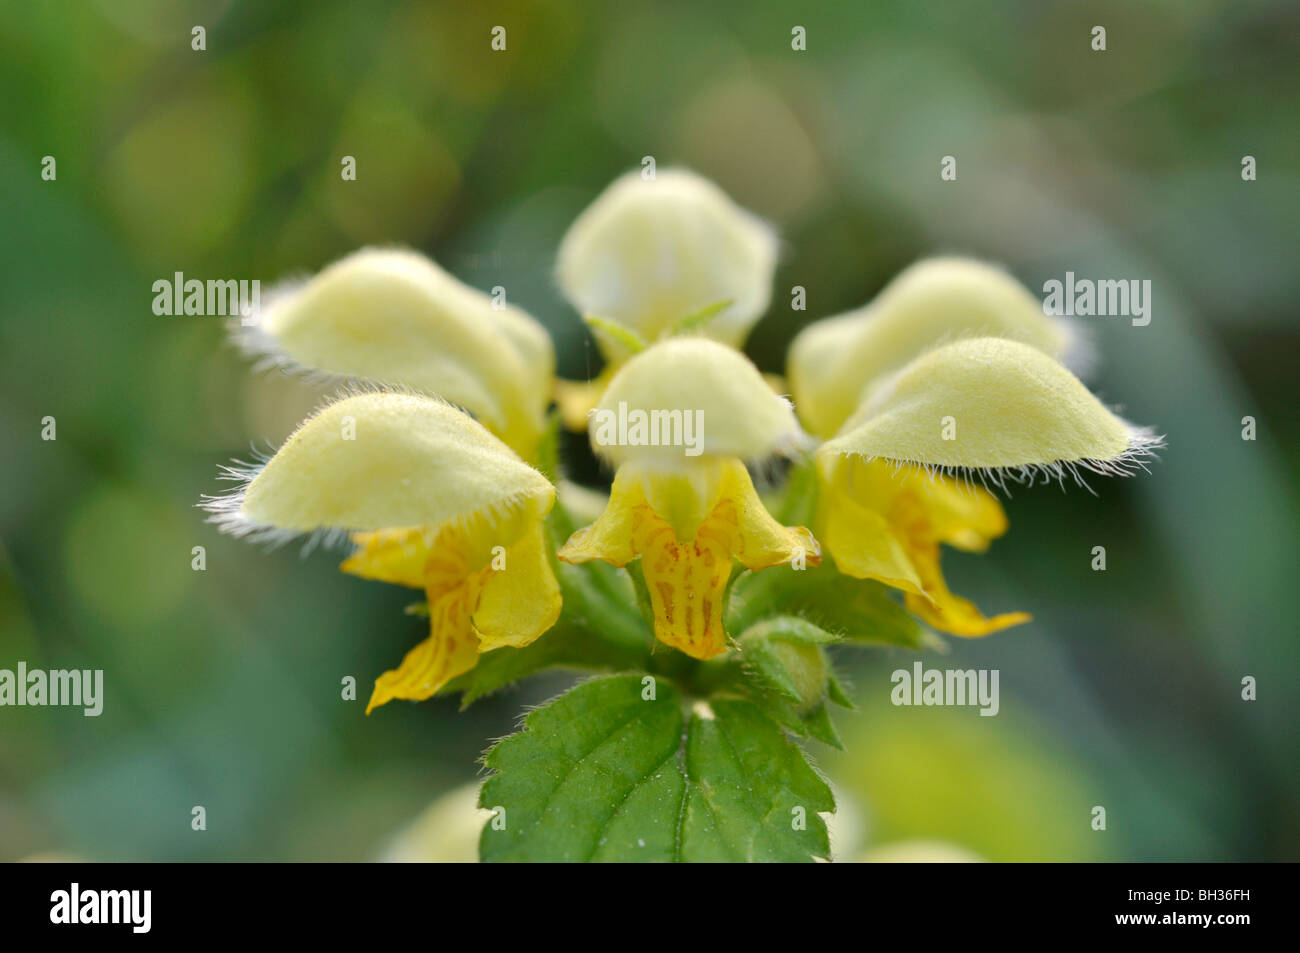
(248, 330)
(263, 348)
(1144, 443)
(225, 510)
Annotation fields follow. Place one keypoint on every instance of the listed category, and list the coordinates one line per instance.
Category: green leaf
(696, 320)
(861, 611)
(749, 790)
(620, 334)
(606, 772)
(566, 646)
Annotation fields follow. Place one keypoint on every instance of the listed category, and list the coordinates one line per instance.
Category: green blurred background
(223, 686)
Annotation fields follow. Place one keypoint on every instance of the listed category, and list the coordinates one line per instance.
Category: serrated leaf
(749, 790)
(604, 773)
(567, 781)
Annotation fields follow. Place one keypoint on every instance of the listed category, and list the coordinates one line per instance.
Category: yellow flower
(395, 317)
(433, 501)
(688, 518)
(885, 521)
(986, 408)
(934, 301)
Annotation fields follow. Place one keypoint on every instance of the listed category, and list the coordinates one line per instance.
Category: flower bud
(649, 253)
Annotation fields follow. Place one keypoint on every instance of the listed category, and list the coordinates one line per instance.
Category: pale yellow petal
(865, 546)
(825, 393)
(883, 521)
(395, 317)
(520, 598)
(990, 403)
(450, 650)
(396, 556)
(693, 397)
(932, 302)
(947, 612)
(751, 533)
(648, 253)
(418, 557)
(955, 511)
(609, 538)
(383, 462)
(688, 527)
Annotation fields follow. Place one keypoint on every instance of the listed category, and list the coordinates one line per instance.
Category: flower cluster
(436, 464)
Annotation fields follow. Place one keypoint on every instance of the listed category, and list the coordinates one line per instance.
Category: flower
(394, 317)
(896, 478)
(433, 501)
(949, 376)
(688, 519)
(651, 256)
(885, 521)
(934, 301)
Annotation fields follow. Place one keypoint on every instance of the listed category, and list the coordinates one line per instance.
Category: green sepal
(697, 319)
(619, 334)
(836, 693)
(784, 670)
